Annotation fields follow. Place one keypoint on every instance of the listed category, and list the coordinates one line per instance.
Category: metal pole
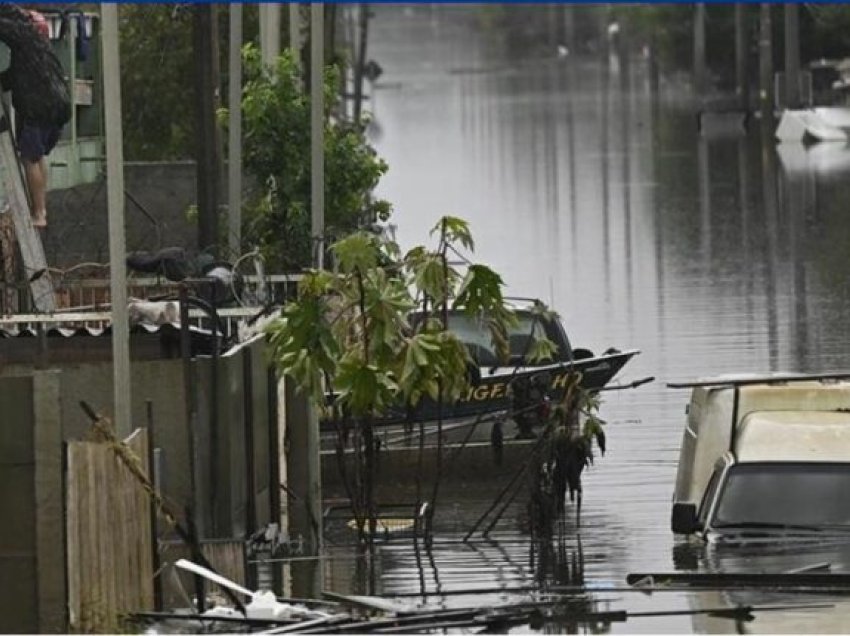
(115, 204)
(234, 141)
(766, 68)
(317, 205)
(269, 32)
(317, 124)
(699, 50)
(208, 139)
(792, 55)
(295, 42)
(360, 61)
(742, 59)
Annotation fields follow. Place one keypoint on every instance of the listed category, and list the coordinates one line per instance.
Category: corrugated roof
(54, 331)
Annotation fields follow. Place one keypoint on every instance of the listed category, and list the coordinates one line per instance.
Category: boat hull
(492, 394)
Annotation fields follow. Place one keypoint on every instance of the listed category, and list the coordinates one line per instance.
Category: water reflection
(586, 188)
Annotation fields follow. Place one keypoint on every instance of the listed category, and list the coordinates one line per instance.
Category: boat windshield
(475, 334)
(786, 495)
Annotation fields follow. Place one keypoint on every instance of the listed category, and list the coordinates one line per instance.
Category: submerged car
(765, 459)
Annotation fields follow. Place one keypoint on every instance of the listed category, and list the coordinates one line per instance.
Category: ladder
(29, 241)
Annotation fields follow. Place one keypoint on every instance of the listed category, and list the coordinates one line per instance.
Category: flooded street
(709, 253)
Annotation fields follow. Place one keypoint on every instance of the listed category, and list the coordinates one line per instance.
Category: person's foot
(39, 220)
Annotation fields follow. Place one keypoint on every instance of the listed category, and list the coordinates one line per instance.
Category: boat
(492, 383)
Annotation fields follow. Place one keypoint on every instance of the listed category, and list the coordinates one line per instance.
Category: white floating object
(800, 125)
(263, 604)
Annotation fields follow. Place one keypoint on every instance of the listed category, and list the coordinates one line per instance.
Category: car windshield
(785, 495)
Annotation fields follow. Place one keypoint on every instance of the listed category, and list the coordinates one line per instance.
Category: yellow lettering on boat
(498, 391)
(481, 392)
(560, 381)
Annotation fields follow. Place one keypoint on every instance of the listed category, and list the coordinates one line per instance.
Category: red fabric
(40, 24)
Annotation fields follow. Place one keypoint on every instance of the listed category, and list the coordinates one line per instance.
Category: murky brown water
(709, 254)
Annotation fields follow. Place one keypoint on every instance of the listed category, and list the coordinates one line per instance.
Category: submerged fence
(109, 530)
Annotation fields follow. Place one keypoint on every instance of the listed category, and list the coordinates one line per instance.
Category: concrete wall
(161, 382)
(32, 567)
(18, 581)
(78, 228)
(38, 410)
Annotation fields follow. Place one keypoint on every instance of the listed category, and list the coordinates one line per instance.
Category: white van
(763, 456)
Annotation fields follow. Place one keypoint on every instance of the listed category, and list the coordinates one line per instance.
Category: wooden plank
(91, 586)
(106, 531)
(29, 242)
(8, 271)
(139, 443)
(368, 602)
(110, 569)
(762, 580)
(72, 521)
(122, 559)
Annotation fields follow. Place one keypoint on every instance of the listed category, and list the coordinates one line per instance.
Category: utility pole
(792, 55)
(234, 140)
(115, 204)
(765, 67)
(742, 58)
(699, 51)
(208, 145)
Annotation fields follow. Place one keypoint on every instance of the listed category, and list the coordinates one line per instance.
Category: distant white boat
(810, 125)
(822, 159)
(835, 116)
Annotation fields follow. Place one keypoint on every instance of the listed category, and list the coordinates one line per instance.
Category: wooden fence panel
(110, 556)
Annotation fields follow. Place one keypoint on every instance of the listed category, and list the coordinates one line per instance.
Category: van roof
(802, 436)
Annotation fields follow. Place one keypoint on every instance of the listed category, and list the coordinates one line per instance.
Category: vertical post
(208, 146)
(317, 129)
(792, 55)
(742, 60)
(295, 42)
(317, 205)
(48, 450)
(234, 141)
(765, 66)
(74, 162)
(699, 51)
(569, 27)
(360, 62)
(194, 521)
(269, 32)
(115, 204)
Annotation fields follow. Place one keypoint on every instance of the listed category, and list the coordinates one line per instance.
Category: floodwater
(710, 253)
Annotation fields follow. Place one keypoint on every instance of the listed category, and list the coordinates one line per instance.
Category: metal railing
(85, 303)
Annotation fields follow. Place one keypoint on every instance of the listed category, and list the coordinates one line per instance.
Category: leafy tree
(157, 76)
(276, 128)
(349, 332)
(156, 81)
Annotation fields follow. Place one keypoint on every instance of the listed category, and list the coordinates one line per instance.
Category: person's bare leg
(37, 183)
